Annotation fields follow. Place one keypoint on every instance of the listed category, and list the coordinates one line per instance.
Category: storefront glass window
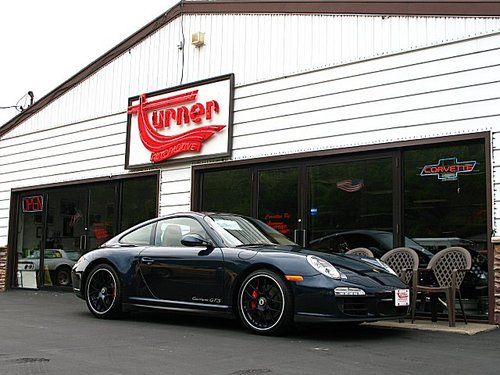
(227, 191)
(351, 205)
(139, 197)
(445, 205)
(62, 224)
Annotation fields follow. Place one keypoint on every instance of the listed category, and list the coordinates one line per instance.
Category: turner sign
(187, 122)
(448, 169)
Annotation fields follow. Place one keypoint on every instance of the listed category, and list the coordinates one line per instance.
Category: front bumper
(76, 279)
(358, 309)
(315, 300)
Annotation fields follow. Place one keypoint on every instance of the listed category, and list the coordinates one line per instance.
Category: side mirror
(193, 240)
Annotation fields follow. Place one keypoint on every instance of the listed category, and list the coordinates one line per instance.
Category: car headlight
(323, 267)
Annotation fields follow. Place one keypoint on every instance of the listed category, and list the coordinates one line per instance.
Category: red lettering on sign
(447, 169)
(277, 221)
(162, 146)
(184, 115)
(33, 204)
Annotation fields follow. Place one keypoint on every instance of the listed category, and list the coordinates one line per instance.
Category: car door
(177, 273)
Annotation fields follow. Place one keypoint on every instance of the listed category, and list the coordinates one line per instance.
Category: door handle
(147, 260)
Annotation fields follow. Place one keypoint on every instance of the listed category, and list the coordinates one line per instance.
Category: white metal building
(323, 82)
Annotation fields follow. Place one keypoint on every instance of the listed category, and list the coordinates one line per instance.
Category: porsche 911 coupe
(233, 265)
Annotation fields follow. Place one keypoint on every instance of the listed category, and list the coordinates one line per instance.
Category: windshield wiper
(256, 244)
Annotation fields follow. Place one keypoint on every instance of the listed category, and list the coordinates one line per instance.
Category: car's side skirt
(170, 304)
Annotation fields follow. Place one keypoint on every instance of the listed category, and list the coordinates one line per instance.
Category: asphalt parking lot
(53, 333)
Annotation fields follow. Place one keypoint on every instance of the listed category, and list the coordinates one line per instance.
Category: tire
(265, 303)
(103, 292)
(63, 276)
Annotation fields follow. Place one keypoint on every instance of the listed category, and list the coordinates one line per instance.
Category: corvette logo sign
(179, 124)
(448, 169)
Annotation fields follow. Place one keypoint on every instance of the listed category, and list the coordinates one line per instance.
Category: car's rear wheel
(265, 303)
(102, 292)
(63, 276)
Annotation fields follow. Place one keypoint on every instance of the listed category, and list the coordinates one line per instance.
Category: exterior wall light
(198, 39)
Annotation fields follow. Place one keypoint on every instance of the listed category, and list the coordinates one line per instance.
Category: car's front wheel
(265, 303)
(102, 292)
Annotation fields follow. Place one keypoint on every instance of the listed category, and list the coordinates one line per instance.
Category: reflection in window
(278, 199)
(138, 200)
(351, 205)
(227, 191)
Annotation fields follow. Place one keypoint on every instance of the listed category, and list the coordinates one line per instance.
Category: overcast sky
(45, 42)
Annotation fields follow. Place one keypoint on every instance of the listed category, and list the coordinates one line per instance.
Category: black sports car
(235, 265)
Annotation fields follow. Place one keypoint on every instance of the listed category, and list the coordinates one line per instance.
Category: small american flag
(350, 185)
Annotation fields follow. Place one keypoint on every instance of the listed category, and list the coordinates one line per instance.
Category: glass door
(66, 231)
(102, 215)
(30, 241)
(278, 201)
(350, 205)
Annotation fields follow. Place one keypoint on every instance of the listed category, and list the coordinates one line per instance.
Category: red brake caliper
(253, 304)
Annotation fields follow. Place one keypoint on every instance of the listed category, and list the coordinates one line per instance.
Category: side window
(140, 237)
(169, 232)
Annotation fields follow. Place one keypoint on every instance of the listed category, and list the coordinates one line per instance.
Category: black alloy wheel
(102, 292)
(63, 276)
(265, 303)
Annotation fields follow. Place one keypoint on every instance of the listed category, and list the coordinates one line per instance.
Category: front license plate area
(402, 297)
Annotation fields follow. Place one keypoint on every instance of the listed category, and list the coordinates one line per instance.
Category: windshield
(242, 231)
(387, 238)
(34, 255)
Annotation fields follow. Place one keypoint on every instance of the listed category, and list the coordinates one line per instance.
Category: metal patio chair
(361, 251)
(403, 261)
(448, 267)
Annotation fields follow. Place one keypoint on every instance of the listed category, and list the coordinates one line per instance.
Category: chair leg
(434, 301)
(452, 307)
(462, 306)
(413, 305)
(448, 306)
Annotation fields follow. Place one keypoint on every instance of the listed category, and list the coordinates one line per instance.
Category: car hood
(348, 262)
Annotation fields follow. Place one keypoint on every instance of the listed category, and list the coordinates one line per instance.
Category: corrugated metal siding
(255, 48)
(175, 190)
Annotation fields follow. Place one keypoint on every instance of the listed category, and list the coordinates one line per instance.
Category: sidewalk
(440, 326)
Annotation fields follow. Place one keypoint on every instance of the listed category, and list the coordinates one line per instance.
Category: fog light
(344, 291)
